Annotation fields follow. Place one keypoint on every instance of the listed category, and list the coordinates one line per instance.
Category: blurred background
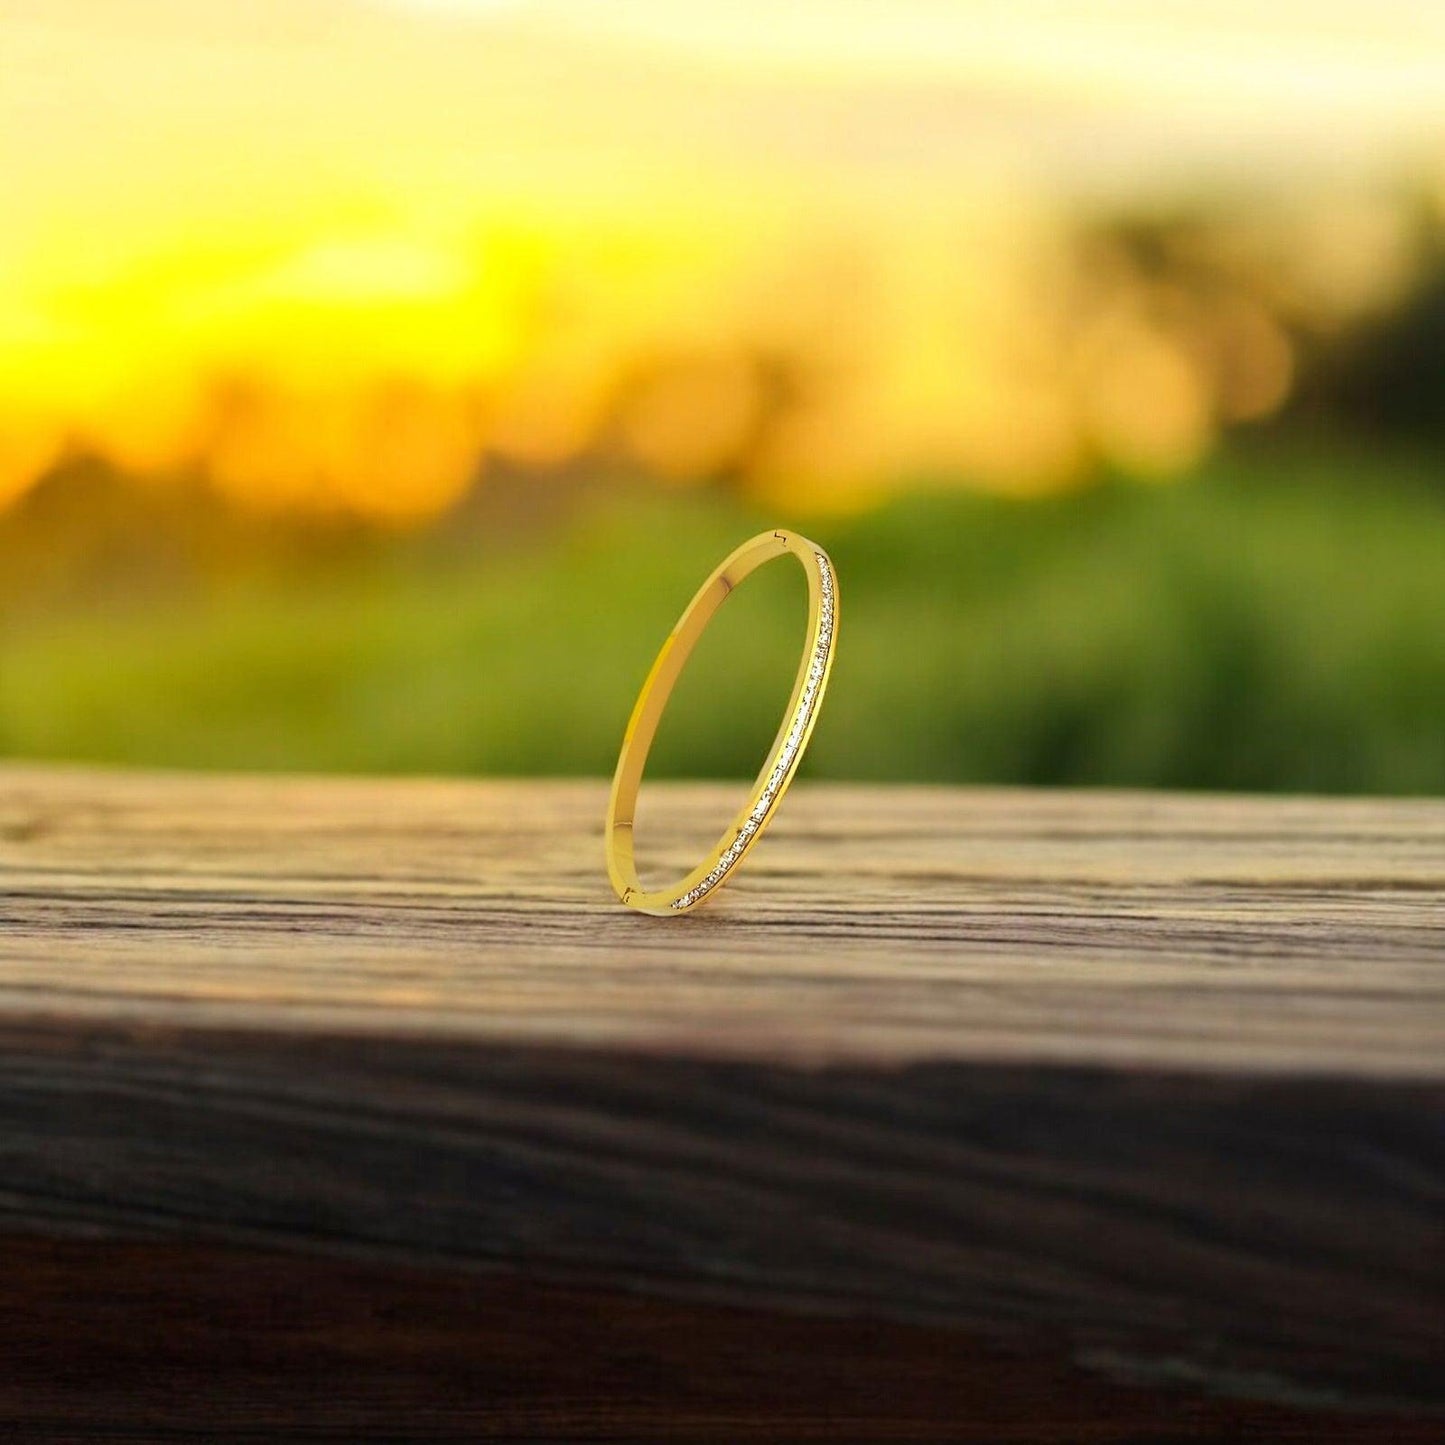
(378, 379)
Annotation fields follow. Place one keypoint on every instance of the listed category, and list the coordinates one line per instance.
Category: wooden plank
(1158, 1081)
(875, 924)
(235, 1346)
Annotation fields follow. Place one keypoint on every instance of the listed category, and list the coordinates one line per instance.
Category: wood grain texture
(236, 1346)
(873, 924)
(1159, 1081)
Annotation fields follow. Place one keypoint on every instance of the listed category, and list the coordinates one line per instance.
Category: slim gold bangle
(784, 756)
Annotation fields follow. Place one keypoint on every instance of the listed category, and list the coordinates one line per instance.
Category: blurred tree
(1388, 380)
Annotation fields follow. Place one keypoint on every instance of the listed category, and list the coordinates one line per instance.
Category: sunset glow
(334, 254)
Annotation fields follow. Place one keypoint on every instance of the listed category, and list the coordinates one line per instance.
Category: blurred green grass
(1272, 624)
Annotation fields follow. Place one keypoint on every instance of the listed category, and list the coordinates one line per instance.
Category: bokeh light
(377, 312)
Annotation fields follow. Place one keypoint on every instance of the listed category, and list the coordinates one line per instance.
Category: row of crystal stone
(787, 753)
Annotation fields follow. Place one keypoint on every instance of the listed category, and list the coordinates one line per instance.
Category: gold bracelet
(784, 756)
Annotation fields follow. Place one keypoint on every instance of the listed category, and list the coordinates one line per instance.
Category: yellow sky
(1381, 57)
(330, 249)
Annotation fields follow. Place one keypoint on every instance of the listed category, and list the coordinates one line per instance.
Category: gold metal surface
(743, 832)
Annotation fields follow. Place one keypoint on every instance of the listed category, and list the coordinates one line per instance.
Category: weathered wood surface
(235, 1346)
(881, 925)
(1153, 1086)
